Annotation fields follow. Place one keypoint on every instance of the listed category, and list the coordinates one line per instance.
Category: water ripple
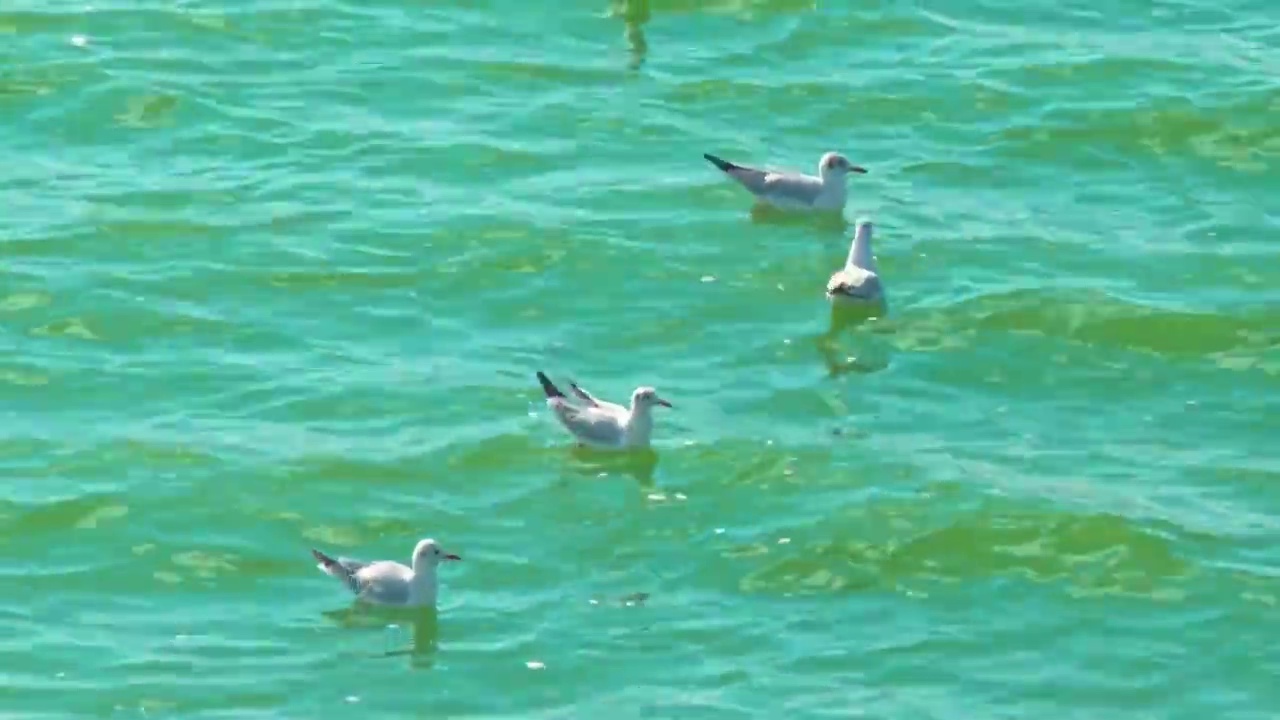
(279, 276)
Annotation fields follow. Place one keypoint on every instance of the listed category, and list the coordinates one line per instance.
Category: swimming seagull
(602, 424)
(857, 281)
(794, 191)
(385, 582)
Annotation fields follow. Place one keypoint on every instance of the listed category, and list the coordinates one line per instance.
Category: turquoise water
(277, 276)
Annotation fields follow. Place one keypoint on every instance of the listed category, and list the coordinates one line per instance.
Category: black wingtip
(724, 165)
(549, 387)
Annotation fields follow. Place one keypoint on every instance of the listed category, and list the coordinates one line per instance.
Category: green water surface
(277, 275)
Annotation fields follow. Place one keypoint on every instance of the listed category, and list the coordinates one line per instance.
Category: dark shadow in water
(423, 625)
(639, 464)
(849, 317)
(634, 14)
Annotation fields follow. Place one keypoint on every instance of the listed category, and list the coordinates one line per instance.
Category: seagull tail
(333, 568)
(724, 165)
(329, 565)
(549, 387)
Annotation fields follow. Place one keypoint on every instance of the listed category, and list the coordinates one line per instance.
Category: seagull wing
(594, 401)
(594, 425)
(856, 283)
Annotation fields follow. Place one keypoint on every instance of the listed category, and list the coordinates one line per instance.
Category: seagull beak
(451, 556)
(858, 169)
(662, 402)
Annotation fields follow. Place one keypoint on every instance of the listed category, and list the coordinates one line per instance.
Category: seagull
(603, 424)
(857, 281)
(794, 191)
(385, 582)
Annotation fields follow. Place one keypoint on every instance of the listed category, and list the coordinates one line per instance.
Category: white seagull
(795, 191)
(602, 424)
(385, 582)
(857, 281)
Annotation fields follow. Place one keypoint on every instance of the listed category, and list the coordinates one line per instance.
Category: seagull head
(646, 397)
(862, 231)
(834, 166)
(428, 554)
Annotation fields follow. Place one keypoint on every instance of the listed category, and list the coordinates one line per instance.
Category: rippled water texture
(278, 275)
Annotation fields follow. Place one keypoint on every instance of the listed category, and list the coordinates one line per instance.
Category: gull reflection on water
(423, 625)
(634, 14)
(847, 318)
(639, 464)
(827, 222)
